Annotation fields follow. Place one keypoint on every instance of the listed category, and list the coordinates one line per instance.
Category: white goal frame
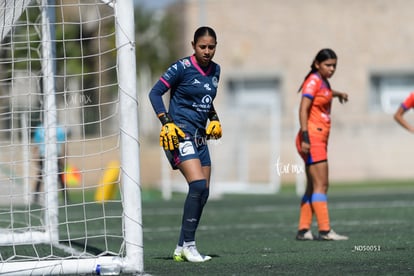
(132, 260)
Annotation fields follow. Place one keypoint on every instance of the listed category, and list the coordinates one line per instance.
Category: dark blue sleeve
(169, 79)
(155, 97)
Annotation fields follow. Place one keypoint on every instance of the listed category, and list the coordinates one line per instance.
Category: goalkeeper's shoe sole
(191, 254)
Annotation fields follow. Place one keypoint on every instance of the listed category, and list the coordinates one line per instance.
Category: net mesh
(87, 133)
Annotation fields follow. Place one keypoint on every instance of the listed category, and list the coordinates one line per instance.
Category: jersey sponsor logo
(206, 99)
(205, 104)
(311, 84)
(326, 117)
(186, 148)
(186, 63)
(170, 72)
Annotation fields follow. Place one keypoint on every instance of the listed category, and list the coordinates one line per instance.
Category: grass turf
(254, 234)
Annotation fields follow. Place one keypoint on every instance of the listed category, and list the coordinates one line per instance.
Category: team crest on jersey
(214, 80)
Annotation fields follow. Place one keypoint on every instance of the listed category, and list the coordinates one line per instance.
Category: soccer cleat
(178, 254)
(191, 254)
(305, 236)
(332, 236)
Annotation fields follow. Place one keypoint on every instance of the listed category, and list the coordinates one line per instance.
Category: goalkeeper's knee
(198, 189)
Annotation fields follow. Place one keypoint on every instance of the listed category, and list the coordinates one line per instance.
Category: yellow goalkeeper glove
(213, 130)
(170, 133)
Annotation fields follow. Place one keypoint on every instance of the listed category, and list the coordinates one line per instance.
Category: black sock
(193, 208)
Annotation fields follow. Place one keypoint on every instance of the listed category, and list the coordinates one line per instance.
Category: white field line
(273, 208)
(268, 208)
(273, 226)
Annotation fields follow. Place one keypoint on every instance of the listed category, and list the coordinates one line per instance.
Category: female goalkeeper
(192, 82)
(312, 141)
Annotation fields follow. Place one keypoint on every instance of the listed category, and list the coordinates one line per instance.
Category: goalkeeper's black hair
(202, 31)
(321, 56)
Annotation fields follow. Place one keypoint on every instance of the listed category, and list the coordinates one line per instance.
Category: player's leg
(319, 173)
(61, 171)
(197, 177)
(38, 180)
(306, 211)
(197, 196)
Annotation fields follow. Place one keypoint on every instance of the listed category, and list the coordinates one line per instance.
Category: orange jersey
(408, 102)
(319, 91)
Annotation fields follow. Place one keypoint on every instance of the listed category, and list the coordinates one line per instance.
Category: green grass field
(254, 234)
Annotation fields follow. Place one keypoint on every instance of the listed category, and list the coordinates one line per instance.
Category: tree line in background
(76, 45)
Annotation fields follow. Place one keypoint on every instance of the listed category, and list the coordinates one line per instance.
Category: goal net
(69, 153)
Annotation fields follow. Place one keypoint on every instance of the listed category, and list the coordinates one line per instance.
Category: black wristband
(213, 116)
(305, 137)
(165, 118)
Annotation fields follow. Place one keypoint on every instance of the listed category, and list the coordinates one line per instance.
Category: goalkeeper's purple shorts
(190, 148)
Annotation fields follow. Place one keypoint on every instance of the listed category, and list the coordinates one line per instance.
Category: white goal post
(69, 149)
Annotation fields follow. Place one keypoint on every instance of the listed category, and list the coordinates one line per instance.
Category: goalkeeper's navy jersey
(192, 93)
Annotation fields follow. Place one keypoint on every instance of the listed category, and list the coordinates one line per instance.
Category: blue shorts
(190, 148)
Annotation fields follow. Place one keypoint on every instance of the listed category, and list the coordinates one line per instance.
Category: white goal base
(79, 266)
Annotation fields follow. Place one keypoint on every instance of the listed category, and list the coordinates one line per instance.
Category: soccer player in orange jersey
(311, 143)
(404, 107)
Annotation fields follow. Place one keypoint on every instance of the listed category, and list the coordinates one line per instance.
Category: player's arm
(304, 109)
(343, 97)
(36, 151)
(155, 96)
(399, 117)
(170, 78)
(213, 130)
(170, 133)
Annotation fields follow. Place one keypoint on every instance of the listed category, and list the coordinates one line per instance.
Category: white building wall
(280, 38)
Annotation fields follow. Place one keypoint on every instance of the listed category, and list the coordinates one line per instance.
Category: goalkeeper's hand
(170, 133)
(213, 130)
